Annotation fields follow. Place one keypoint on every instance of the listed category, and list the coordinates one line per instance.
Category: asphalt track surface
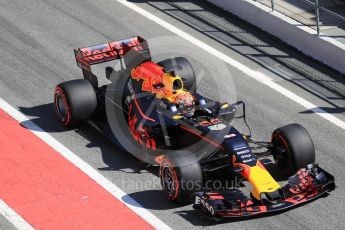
(37, 40)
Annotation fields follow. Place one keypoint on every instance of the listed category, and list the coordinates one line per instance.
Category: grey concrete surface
(304, 13)
(37, 40)
(5, 224)
(323, 48)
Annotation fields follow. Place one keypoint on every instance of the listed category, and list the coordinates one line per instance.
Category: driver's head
(185, 103)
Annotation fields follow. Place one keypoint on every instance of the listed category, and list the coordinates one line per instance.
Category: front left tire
(181, 176)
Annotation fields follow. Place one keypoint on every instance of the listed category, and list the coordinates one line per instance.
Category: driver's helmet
(185, 103)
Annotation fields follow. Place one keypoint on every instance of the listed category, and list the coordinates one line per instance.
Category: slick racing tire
(184, 69)
(74, 101)
(181, 176)
(294, 148)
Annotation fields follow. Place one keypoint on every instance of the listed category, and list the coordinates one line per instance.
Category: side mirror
(227, 112)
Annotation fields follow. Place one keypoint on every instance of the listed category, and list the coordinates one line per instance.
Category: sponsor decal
(138, 132)
(243, 152)
(230, 135)
(163, 105)
(204, 123)
(246, 156)
(207, 206)
(243, 147)
(277, 205)
(220, 126)
(216, 121)
(81, 62)
(108, 51)
(249, 160)
(213, 121)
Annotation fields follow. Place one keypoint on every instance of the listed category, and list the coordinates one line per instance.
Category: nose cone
(262, 182)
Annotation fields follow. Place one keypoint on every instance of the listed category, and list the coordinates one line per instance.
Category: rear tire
(297, 145)
(74, 101)
(181, 176)
(186, 72)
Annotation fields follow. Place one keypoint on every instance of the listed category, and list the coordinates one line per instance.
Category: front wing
(306, 185)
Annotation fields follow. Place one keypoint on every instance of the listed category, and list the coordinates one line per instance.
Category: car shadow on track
(335, 110)
(44, 117)
(145, 199)
(113, 157)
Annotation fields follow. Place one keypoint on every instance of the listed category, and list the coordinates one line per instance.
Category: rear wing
(87, 56)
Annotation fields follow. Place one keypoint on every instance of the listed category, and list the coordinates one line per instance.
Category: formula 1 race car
(152, 110)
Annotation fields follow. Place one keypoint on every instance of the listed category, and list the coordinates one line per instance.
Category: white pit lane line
(13, 217)
(84, 167)
(251, 73)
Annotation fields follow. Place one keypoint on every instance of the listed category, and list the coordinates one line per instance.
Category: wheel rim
(61, 107)
(283, 160)
(168, 180)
